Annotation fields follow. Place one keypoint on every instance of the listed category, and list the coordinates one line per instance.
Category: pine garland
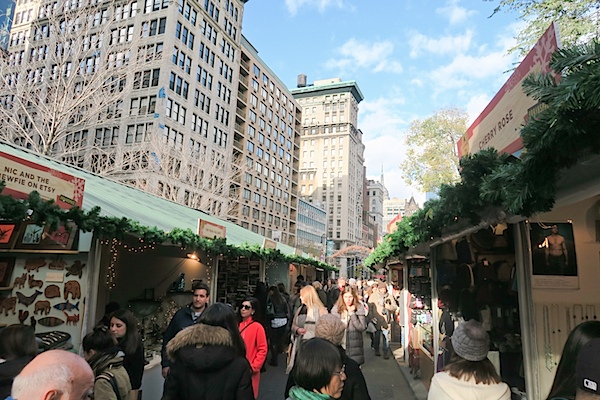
(494, 184)
(40, 211)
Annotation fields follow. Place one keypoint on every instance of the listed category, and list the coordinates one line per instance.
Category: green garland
(491, 183)
(40, 211)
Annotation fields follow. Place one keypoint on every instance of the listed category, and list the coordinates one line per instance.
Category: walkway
(385, 379)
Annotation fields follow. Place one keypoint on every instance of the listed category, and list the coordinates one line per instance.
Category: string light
(111, 275)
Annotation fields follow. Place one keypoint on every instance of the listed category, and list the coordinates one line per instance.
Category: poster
(554, 262)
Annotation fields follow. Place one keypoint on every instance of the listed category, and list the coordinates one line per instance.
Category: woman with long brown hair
(352, 313)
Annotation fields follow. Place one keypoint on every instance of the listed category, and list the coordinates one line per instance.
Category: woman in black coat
(209, 360)
(17, 348)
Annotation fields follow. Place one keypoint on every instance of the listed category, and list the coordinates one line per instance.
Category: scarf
(298, 393)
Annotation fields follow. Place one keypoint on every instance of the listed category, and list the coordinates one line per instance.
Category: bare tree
(69, 66)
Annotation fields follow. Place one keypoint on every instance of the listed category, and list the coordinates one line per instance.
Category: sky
(409, 58)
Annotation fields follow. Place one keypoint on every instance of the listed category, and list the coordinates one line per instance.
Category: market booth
(529, 281)
(59, 281)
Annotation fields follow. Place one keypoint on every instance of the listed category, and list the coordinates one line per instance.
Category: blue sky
(409, 58)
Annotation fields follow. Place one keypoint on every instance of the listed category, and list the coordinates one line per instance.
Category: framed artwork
(9, 231)
(7, 264)
(554, 262)
(41, 237)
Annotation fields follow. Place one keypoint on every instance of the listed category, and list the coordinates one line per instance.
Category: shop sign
(23, 177)
(499, 125)
(211, 230)
(269, 244)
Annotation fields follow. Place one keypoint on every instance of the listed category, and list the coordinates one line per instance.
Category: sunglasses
(246, 307)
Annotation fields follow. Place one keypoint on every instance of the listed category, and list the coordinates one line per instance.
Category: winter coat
(206, 366)
(183, 318)
(103, 363)
(381, 309)
(8, 371)
(355, 386)
(356, 324)
(322, 296)
(446, 387)
(134, 365)
(255, 339)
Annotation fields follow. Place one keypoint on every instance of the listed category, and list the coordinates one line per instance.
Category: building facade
(312, 229)
(332, 157)
(376, 195)
(267, 138)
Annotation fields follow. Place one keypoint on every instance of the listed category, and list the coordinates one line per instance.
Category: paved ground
(385, 379)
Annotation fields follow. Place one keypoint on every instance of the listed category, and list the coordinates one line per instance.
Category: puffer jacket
(112, 362)
(206, 366)
(356, 324)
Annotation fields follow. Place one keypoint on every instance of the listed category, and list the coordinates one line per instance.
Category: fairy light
(111, 275)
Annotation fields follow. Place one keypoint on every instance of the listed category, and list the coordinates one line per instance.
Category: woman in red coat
(255, 339)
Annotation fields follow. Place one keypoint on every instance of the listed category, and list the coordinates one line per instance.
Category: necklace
(549, 356)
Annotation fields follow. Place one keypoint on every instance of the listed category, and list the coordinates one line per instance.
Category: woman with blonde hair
(303, 324)
(352, 313)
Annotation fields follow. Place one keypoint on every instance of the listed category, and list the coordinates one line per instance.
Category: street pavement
(385, 379)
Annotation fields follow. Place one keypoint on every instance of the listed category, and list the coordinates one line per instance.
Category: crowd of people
(218, 351)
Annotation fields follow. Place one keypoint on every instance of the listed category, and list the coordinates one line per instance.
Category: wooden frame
(9, 231)
(40, 237)
(7, 264)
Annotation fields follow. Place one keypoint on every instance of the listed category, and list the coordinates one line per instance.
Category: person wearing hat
(381, 312)
(587, 371)
(470, 375)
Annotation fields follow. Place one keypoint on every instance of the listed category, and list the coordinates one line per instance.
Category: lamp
(193, 256)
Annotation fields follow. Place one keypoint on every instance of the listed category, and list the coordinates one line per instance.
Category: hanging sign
(269, 244)
(23, 177)
(211, 230)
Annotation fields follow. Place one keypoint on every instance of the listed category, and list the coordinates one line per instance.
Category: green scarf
(298, 393)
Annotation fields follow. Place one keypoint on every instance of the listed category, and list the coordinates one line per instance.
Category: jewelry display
(577, 314)
(548, 353)
(590, 312)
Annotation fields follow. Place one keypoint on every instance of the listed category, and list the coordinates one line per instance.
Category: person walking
(381, 311)
(209, 360)
(352, 313)
(303, 324)
(278, 324)
(470, 375)
(254, 337)
(111, 381)
(183, 318)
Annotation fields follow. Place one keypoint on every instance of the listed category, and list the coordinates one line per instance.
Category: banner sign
(499, 125)
(23, 177)
(211, 230)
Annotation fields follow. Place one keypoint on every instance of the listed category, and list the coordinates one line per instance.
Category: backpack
(110, 377)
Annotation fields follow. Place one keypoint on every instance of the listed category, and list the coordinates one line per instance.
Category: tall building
(376, 195)
(6, 16)
(203, 122)
(171, 132)
(332, 157)
(267, 137)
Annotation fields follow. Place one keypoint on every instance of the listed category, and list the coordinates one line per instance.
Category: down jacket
(356, 324)
(206, 366)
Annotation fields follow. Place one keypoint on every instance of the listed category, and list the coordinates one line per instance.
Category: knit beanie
(330, 327)
(470, 341)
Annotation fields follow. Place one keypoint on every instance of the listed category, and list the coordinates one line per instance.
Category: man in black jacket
(183, 318)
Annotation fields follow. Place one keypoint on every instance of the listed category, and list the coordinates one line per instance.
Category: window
(138, 133)
(106, 136)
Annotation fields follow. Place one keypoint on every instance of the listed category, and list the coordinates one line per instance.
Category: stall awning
(118, 200)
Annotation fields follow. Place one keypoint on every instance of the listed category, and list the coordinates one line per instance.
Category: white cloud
(294, 5)
(455, 13)
(443, 45)
(374, 56)
(476, 105)
(417, 82)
